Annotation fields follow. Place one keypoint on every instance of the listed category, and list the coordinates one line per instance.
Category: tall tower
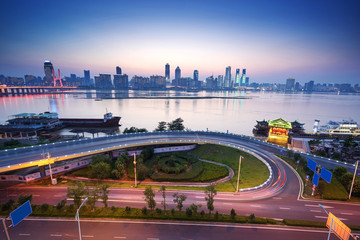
(243, 78)
(177, 76)
(118, 70)
(167, 72)
(87, 77)
(227, 77)
(237, 77)
(48, 69)
(196, 75)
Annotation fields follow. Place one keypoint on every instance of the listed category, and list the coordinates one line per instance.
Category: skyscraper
(243, 78)
(237, 77)
(220, 81)
(196, 75)
(48, 69)
(290, 84)
(121, 81)
(177, 75)
(118, 70)
(228, 77)
(167, 72)
(87, 77)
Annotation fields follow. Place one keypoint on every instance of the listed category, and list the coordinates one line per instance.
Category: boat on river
(108, 121)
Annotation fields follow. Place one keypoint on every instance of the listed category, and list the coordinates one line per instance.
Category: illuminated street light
(77, 216)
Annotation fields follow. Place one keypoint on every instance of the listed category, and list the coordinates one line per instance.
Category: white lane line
(24, 234)
(317, 211)
(56, 235)
(12, 195)
(284, 208)
(118, 237)
(344, 213)
(342, 219)
(36, 195)
(257, 206)
(89, 236)
(277, 198)
(310, 205)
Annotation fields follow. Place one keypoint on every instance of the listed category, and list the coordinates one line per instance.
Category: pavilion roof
(280, 123)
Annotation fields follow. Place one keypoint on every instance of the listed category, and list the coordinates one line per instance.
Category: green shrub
(216, 216)
(61, 204)
(232, 214)
(158, 211)
(188, 212)
(144, 211)
(24, 198)
(44, 207)
(172, 212)
(9, 205)
(252, 217)
(339, 171)
(127, 209)
(304, 223)
(202, 213)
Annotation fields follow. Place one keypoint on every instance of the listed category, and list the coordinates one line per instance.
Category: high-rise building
(118, 70)
(48, 69)
(121, 81)
(177, 75)
(103, 81)
(157, 82)
(290, 84)
(237, 78)
(167, 72)
(220, 81)
(196, 75)
(243, 78)
(87, 78)
(227, 83)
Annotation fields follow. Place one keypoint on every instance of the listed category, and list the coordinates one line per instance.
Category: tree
(104, 194)
(339, 171)
(194, 208)
(93, 196)
(24, 198)
(149, 198)
(176, 124)
(161, 127)
(179, 199)
(134, 130)
(232, 214)
(77, 193)
(346, 180)
(120, 166)
(100, 170)
(163, 193)
(210, 192)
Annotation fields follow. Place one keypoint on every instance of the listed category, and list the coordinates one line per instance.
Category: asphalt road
(34, 229)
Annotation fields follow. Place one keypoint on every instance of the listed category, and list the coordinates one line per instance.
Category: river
(215, 114)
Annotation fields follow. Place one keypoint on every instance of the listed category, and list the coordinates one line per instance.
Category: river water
(215, 114)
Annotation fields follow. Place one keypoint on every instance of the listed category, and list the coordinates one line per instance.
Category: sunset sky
(273, 40)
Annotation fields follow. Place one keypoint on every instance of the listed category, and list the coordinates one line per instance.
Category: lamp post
(238, 178)
(135, 169)
(352, 184)
(51, 177)
(77, 216)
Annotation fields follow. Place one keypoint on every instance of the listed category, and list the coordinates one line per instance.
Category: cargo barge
(108, 121)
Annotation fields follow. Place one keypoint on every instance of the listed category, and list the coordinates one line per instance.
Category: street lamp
(77, 216)
(238, 178)
(51, 176)
(352, 184)
(135, 168)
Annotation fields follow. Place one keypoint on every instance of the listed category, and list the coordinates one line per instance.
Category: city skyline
(303, 40)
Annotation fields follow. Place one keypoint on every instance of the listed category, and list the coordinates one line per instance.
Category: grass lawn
(253, 171)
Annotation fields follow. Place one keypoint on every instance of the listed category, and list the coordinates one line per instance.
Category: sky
(274, 40)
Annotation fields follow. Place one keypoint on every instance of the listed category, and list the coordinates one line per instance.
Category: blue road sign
(312, 165)
(326, 175)
(316, 178)
(20, 213)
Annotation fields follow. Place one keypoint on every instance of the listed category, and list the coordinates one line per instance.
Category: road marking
(284, 208)
(89, 236)
(36, 195)
(318, 211)
(278, 198)
(258, 206)
(342, 219)
(61, 195)
(56, 235)
(344, 213)
(227, 203)
(117, 237)
(12, 195)
(310, 205)
(24, 234)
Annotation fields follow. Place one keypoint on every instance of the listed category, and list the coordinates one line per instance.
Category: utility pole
(135, 168)
(238, 178)
(51, 177)
(352, 184)
(5, 229)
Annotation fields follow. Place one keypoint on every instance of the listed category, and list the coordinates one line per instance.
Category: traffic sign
(326, 175)
(20, 213)
(338, 227)
(316, 178)
(312, 165)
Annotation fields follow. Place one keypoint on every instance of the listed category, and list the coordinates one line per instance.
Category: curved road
(279, 199)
